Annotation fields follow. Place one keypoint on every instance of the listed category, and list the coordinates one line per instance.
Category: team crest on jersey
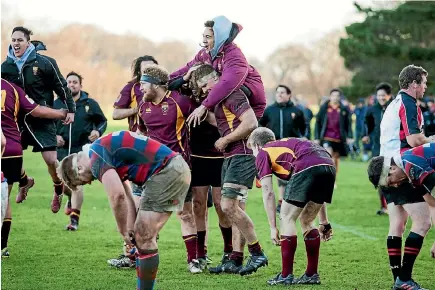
(293, 115)
(165, 108)
(35, 70)
(147, 110)
(86, 108)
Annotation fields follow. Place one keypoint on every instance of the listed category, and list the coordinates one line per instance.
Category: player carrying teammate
(15, 102)
(310, 172)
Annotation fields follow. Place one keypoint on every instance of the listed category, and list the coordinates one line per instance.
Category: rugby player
(89, 125)
(235, 120)
(15, 102)
(118, 158)
(310, 172)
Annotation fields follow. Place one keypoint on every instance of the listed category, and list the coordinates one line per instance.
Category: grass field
(45, 256)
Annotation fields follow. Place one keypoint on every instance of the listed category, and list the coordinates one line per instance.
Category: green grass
(45, 256)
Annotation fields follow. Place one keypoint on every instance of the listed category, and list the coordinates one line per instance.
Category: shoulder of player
(236, 97)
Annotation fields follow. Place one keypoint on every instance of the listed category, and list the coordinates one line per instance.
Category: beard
(151, 95)
(75, 94)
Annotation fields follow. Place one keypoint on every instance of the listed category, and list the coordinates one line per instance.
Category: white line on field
(352, 231)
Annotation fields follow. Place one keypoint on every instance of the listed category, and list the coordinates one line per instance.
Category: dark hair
(202, 71)
(409, 74)
(336, 90)
(209, 24)
(27, 32)
(135, 66)
(384, 86)
(375, 169)
(287, 89)
(73, 73)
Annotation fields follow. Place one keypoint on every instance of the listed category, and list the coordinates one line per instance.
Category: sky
(268, 25)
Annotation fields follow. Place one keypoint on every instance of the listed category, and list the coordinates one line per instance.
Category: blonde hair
(68, 171)
(260, 136)
(157, 72)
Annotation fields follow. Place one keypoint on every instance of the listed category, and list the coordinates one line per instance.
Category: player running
(120, 157)
(15, 102)
(310, 172)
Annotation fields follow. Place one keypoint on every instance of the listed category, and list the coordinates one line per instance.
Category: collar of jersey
(167, 94)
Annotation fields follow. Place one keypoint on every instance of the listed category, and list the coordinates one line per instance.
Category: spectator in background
(428, 110)
(360, 113)
(285, 120)
(333, 128)
(372, 128)
(308, 114)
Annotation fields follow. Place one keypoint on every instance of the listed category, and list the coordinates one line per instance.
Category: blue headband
(151, 80)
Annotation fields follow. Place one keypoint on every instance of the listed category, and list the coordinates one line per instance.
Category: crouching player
(310, 172)
(416, 166)
(120, 157)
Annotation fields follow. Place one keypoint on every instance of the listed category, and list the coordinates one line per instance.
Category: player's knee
(199, 206)
(185, 216)
(421, 226)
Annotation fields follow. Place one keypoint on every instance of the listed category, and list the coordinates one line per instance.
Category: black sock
(413, 245)
(394, 246)
(58, 187)
(23, 179)
(6, 228)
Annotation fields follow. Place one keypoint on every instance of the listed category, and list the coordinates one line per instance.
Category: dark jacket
(308, 114)
(39, 77)
(285, 120)
(373, 126)
(345, 122)
(88, 117)
(360, 113)
(429, 122)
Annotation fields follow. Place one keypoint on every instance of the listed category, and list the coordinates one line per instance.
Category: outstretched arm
(270, 207)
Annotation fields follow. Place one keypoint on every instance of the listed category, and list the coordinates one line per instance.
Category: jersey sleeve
(408, 115)
(100, 161)
(237, 104)
(124, 99)
(263, 165)
(417, 167)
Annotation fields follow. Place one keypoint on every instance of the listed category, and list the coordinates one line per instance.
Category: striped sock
(147, 265)
(413, 245)
(394, 246)
(75, 215)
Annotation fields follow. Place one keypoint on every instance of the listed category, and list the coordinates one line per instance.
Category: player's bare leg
(420, 216)
(224, 224)
(148, 225)
(50, 158)
(312, 243)
(188, 231)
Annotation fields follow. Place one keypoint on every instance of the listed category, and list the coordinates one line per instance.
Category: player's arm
(270, 207)
(211, 118)
(325, 228)
(408, 115)
(131, 219)
(118, 201)
(416, 140)
(122, 104)
(182, 71)
(3, 141)
(119, 114)
(248, 123)
(48, 113)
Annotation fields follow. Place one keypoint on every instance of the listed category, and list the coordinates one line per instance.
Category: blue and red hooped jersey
(419, 162)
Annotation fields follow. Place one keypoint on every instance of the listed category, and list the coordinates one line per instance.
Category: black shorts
(429, 183)
(42, 135)
(338, 147)
(11, 168)
(404, 194)
(314, 184)
(206, 171)
(239, 169)
(282, 182)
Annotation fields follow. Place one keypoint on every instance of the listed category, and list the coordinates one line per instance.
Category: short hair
(202, 71)
(73, 73)
(409, 74)
(27, 32)
(209, 24)
(287, 89)
(157, 72)
(68, 172)
(374, 170)
(336, 90)
(384, 86)
(261, 136)
(135, 66)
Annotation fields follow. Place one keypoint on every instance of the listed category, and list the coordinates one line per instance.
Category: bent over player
(310, 172)
(120, 157)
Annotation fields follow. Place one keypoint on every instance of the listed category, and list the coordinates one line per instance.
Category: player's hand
(274, 236)
(196, 115)
(365, 139)
(317, 141)
(325, 232)
(187, 76)
(60, 141)
(69, 119)
(94, 135)
(129, 239)
(432, 251)
(221, 144)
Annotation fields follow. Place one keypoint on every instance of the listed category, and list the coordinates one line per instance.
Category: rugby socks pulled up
(227, 235)
(288, 250)
(201, 244)
(6, 228)
(413, 245)
(58, 187)
(237, 257)
(23, 179)
(255, 248)
(75, 215)
(147, 265)
(191, 246)
(394, 246)
(312, 247)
